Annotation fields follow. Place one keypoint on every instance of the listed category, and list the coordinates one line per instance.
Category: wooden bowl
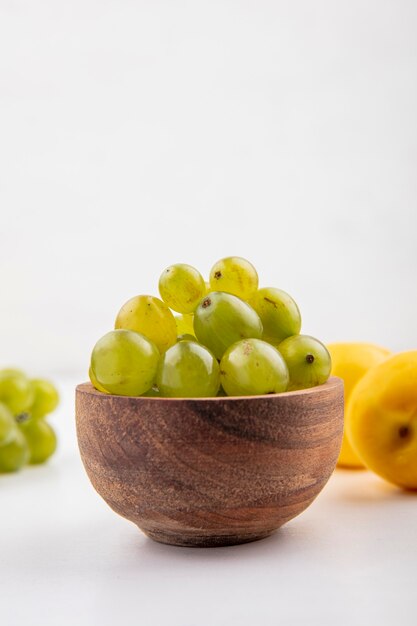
(210, 471)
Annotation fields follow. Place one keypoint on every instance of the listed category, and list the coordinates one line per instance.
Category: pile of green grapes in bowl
(223, 337)
(26, 437)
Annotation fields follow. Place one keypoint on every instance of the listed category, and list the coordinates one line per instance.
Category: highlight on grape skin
(221, 337)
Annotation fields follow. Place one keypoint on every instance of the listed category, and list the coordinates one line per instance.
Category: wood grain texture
(210, 471)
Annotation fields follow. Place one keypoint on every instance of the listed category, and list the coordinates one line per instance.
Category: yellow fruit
(381, 420)
(351, 361)
(347, 457)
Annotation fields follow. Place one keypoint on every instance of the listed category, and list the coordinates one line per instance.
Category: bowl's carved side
(199, 472)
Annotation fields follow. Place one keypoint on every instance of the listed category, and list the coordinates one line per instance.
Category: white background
(136, 134)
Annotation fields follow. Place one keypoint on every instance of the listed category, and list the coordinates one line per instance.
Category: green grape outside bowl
(210, 471)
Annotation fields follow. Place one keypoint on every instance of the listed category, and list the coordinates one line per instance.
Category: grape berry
(25, 435)
(228, 338)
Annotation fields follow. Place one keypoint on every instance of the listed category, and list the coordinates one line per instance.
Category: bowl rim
(333, 382)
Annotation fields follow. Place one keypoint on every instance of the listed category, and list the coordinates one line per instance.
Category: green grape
(181, 287)
(94, 381)
(124, 363)
(7, 424)
(41, 440)
(15, 454)
(188, 370)
(186, 337)
(153, 392)
(13, 370)
(150, 317)
(15, 391)
(308, 361)
(234, 275)
(46, 398)
(221, 319)
(253, 367)
(184, 324)
(279, 314)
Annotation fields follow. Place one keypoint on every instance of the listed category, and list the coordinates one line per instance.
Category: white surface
(138, 134)
(66, 559)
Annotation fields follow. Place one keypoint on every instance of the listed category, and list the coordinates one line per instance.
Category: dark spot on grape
(223, 373)
(217, 274)
(206, 303)
(404, 431)
(247, 348)
(268, 393)
(270, 301)
(310, 358)
(22, 418)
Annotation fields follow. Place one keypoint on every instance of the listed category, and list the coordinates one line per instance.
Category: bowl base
(205, 541)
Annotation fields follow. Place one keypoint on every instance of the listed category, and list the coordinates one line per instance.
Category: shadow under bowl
(210, 471)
